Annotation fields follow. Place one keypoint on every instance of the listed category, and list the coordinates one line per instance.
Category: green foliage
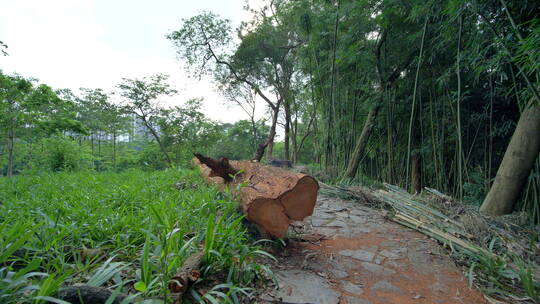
(238, 140)
(151, 158)
(61, 153)
(111, 228)
(504, 275)
(191, 38)
(474, 189)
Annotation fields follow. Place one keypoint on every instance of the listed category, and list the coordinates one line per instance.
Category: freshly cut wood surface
(271, 197)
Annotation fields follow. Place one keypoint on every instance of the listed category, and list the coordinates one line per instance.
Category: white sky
(95, 43)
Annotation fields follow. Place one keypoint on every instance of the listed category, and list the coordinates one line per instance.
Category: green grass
(129, 231)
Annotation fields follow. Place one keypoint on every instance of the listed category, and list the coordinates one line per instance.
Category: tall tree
(261, 61)
(517, 163)
(14, 95)
(143, 100)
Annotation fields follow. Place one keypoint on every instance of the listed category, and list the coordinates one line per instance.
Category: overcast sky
(95, 43)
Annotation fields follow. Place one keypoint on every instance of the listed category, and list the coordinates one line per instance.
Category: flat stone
(322, 215)
(420, 261)
(339, 274)
(439, 287)
(378, 269)
(391, 243)
(379, 259)
(362, 229)
(390, 254)
(396, 264)
(385, 286)
(352, 288)
(358, 254)
(353, 300)
(304, 287)
(336, 223)
(355, 219)
(317, 222)
(327, 231)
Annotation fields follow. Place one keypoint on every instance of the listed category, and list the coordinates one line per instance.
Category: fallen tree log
(188, 273)
(270, 197)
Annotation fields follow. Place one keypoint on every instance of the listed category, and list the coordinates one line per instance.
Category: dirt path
(365, 259)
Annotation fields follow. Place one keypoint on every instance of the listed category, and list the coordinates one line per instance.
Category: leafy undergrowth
(127, 231)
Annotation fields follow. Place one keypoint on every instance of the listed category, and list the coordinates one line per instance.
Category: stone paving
(356, 256)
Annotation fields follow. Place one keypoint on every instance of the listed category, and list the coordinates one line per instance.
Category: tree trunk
(270, 140)
(254, 131)
(161, 146)
(187, 274)
(362, 141)
(294, 140)
(114, 150)
(92, 143)
(273, 196)
(416, 173)
(270, 151)
(516, 165)
(287, 108)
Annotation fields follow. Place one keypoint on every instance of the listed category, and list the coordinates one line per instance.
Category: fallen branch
(188, 273)
(219, 167)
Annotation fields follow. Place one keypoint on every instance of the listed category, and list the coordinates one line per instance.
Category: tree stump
(270, 197)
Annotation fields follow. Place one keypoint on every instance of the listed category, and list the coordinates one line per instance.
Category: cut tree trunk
(516, 165)
(271, 198)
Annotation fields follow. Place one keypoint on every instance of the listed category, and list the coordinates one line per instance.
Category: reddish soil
(368, 260)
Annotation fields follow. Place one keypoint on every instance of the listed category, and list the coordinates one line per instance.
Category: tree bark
(361, 144)
(254, 132)
(92, 144)
(161, 146)
(516, 165)
(114, 150)
(270, 140)
(188, 273)
(287, 108)
(272, 197)
(294, 141)
(416, 173)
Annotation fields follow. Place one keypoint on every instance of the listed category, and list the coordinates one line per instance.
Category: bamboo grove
(413, 93)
